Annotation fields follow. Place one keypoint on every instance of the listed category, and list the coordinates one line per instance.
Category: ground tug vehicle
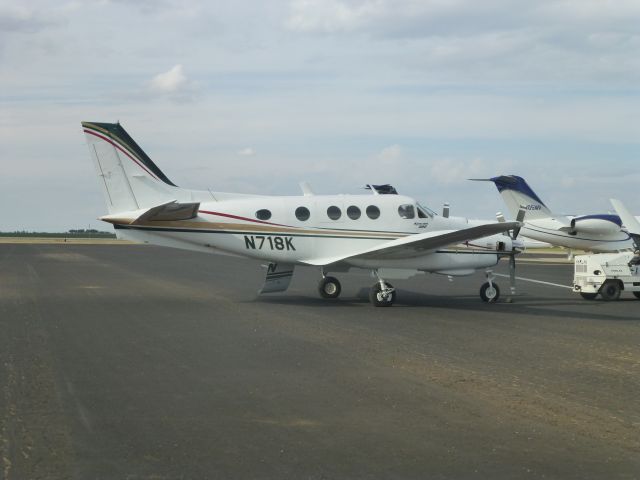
(608, 274)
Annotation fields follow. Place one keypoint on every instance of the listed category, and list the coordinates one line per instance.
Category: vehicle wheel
(376, 297)
(610, 290)
(488, 293)
(588, 296)
(329, 287)
(637, 295)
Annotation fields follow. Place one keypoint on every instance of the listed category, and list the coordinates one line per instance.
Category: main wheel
(329, 287)
(610, 290)
(378, 299)
(637, 295)
(588, 296)
(489, 292)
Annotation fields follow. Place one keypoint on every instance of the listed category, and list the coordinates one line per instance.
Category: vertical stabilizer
(128, 177)
(516, 192)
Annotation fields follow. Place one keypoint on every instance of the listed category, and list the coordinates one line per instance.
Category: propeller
(512, 255)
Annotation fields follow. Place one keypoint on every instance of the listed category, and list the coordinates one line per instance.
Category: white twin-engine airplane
(389, 234)
(592, 233)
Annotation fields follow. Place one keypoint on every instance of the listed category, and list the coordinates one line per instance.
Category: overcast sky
(255, 96)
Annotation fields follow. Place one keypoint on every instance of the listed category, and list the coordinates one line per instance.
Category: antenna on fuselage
(307, 191)
(445, 210)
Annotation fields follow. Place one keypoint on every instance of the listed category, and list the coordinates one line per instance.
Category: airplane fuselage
(296, 229)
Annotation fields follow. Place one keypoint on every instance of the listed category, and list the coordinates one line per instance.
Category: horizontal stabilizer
(170, 211)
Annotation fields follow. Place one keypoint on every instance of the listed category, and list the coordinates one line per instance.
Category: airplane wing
(420, 243)
(630, 222)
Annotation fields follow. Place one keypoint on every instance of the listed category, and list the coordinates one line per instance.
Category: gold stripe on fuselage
(253, 228)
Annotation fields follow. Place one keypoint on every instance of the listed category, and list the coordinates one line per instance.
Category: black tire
(610, 290)
(637, 295)
(329, 287)
(588, 296)
(380, 302)
(486, 295)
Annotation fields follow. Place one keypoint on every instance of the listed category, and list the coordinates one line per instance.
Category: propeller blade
(520, 219)
(512, 273)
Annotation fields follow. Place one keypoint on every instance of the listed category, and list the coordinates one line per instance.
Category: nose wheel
(329, 287)
(382, 294)
(489, 291)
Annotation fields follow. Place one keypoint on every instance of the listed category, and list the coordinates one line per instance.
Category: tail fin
(129, 179)
(516, 192)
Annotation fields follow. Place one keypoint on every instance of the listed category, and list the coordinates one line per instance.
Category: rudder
(129, 178)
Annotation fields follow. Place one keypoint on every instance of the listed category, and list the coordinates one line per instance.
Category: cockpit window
(425, 212)
(406, 211)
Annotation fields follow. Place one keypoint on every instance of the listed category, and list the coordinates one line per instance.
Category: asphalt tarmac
(137, 362)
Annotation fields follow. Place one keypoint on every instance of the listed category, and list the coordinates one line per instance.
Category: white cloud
(448, 171)
(247, 152)
(331, 15)
(170, 81)
(390, 155)
(548, 85)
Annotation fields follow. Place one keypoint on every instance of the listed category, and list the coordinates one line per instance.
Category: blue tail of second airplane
(516, 193)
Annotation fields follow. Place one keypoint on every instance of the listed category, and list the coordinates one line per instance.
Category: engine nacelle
(596, 224)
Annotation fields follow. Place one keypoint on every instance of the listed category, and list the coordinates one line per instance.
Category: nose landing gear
(489, 291)
(382, 294)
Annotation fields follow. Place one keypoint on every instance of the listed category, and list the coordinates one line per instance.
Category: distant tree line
(72, 233)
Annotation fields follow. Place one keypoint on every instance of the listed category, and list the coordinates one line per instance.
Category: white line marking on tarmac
(534, 281)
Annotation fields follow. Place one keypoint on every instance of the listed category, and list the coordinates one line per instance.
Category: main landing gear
(329, 287)
(382, 294)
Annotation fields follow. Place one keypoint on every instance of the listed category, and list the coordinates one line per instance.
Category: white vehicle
(391, 235)
(608, 274)
(591, 233)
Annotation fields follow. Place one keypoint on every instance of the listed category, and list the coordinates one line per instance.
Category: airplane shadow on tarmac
(536, 306)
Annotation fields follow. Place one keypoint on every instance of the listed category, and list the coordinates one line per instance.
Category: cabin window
(263, 214)
(421, 214)
(373, 212)
(353, 212)
(406, 211)
(302, 213)
(334, 212)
